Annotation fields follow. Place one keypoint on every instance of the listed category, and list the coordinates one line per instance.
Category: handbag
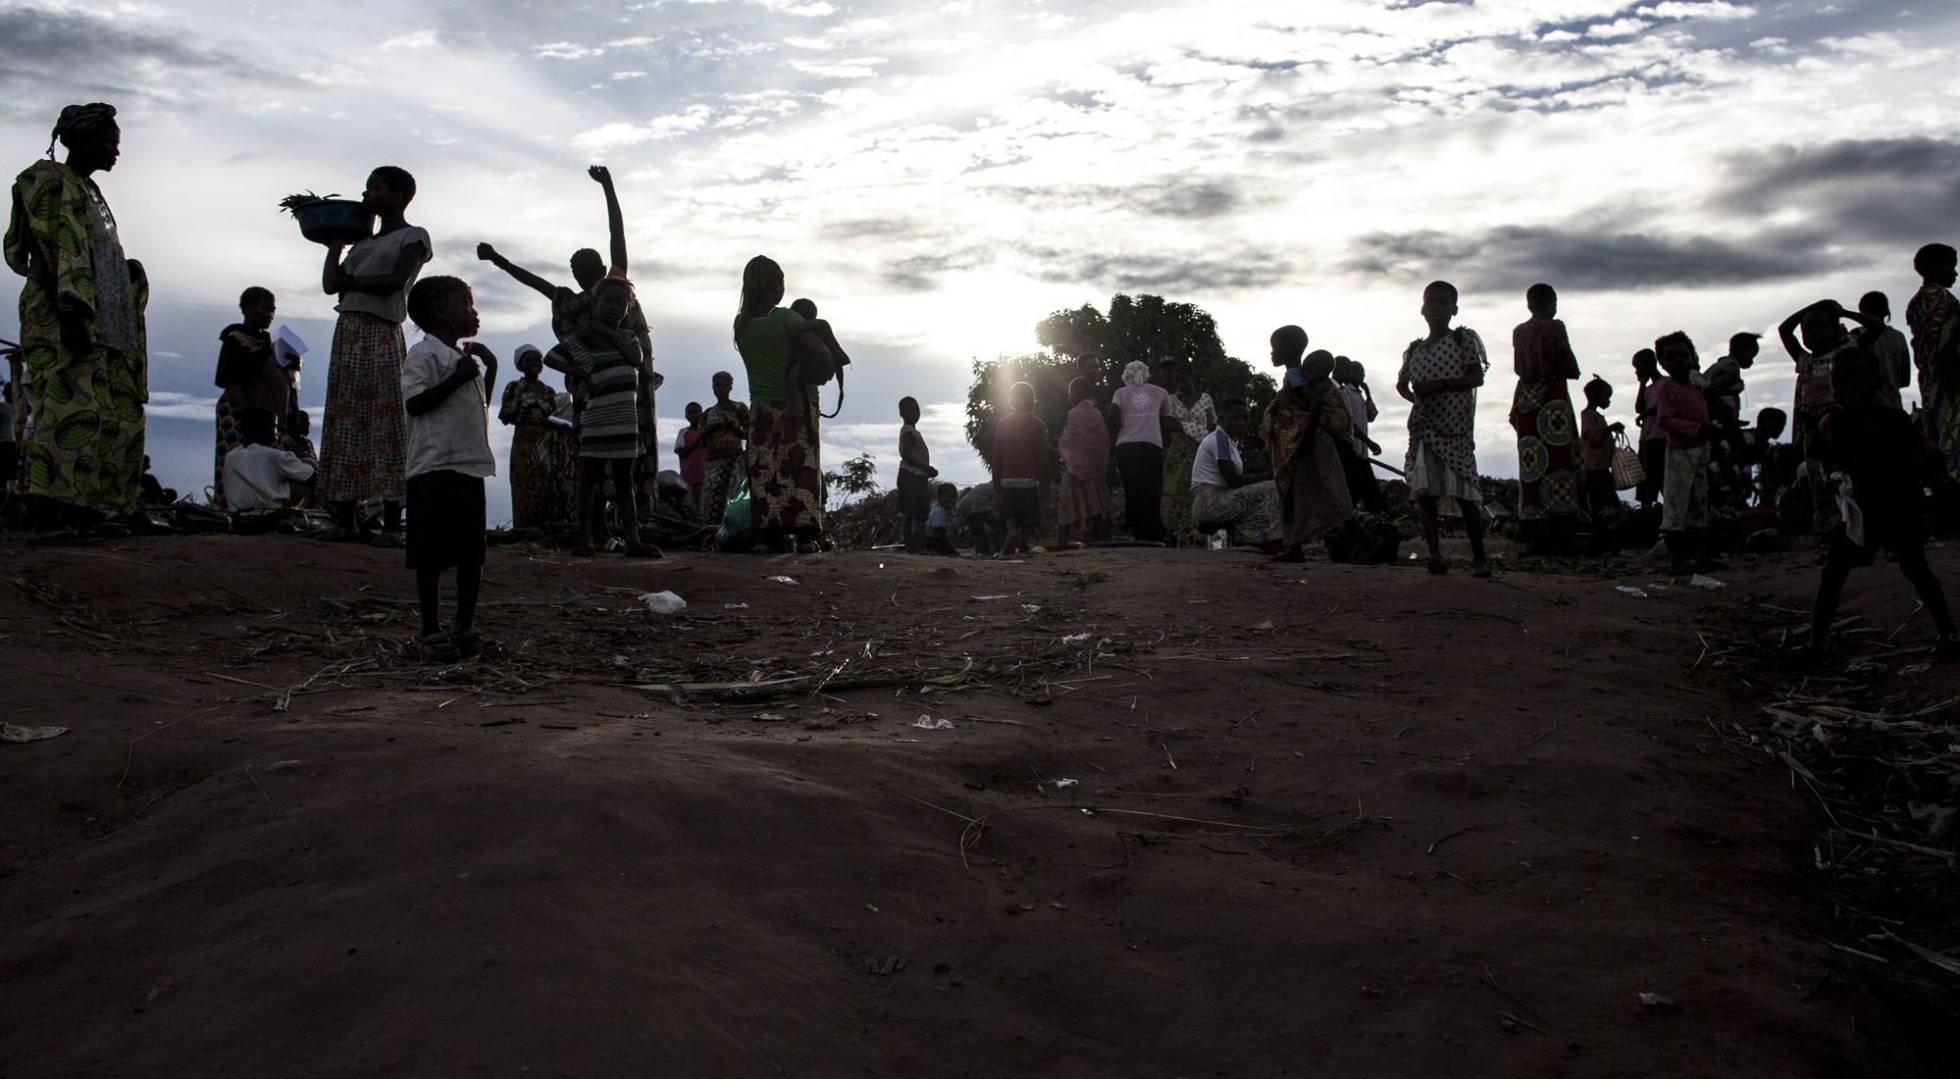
(1628, 472)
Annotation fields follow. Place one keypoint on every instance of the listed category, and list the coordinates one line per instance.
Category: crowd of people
(405, 445)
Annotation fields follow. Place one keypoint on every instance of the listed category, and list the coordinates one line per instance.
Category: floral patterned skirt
(1549, 477)
(785, 475)
(364, 447)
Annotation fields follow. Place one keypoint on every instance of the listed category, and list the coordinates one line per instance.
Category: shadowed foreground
(1260, 821)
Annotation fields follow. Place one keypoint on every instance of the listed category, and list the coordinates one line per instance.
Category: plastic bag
(664, 603)
(737, 531)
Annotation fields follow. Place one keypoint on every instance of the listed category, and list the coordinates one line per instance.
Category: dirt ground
(1195, 815)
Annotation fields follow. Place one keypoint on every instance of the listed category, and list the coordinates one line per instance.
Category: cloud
(57, 54)
(1179, 197)
(917, 273)
(1585, 257)
(1890, 190)
(1181, 274)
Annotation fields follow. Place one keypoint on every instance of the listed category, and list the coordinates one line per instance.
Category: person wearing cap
(82, 332)
(535, 484)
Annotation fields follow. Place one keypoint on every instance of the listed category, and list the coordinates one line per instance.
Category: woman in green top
(785, 477)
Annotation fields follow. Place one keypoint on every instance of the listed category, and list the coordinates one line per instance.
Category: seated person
(978, 508)
(259, 476)
(939, 520)
(150, 490)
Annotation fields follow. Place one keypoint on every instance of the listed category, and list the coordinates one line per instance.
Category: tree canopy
(1087, 343)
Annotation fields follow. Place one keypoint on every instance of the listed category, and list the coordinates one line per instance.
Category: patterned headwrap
(77, 120)
(1136, 373)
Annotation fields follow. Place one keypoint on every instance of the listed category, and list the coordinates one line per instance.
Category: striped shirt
(610, 425)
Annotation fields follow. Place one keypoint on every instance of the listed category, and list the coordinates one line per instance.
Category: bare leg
(469, 582)
(1912, 562)
(1830, 588)
(1473, 523)
(427, 584)
(1432, 534)
(622, 470)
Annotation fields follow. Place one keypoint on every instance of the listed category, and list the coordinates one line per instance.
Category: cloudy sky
(938, 176)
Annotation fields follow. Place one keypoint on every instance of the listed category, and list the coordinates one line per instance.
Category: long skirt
(1082, 501)
(722, 473)
(1142, 467)
(363, 449)
(87, 449)
(1321, 501)
(1252, 512)
(541, 489)
(228, 439)
(1549, 479)
(785, 474)
(1176, 509)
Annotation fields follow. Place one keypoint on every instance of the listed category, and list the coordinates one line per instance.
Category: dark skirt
(1142, 467)
(445, 520)
(1653, 461)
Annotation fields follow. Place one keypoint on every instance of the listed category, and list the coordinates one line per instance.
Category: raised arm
(525, 277)
(615, 218)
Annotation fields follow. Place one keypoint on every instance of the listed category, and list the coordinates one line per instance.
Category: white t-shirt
(270, 469)
(455, 435)
(1216, 447)
(378, 255)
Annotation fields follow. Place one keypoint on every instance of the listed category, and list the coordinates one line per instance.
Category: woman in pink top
(1141, 413)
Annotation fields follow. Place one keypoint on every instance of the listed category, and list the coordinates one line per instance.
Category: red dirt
(1486, 855)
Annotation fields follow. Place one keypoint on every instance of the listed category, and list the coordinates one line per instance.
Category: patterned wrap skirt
(542, 483)
(228, 439)
(722, 473)
(1179, 454)
(1252, 512)
(785, 474)
(364, 446)
(1549, 479)
(1321, 501)
(1082, 501)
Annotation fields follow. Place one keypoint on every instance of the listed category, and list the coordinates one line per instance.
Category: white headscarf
(522, 349)
(1136, 373)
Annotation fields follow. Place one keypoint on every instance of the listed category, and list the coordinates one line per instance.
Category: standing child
(1084, 504)
(1823, 341)
(1021, 470)
(1882, 464)
(447, 399)
(1933, 316)
(1596, 448)
(1681, 414)
(691, 449)
(726, 426)
(1304, 428)
(1355, 454)
(606, 358)
(915, 475)
(1653, 444)
(1439, 378)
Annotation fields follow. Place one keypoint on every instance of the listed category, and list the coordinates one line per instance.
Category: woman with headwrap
(785, 475)
(81, 320)
(537, 486)
(1141, 414)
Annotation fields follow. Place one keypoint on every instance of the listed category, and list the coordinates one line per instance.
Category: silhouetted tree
(1085, 342)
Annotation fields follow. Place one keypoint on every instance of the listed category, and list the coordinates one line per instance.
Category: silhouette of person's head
(389, 191)
(1599, 393)
(1677, 355)
(91, 135)
(1822, 330)
(301, 422)
(1439, 304)
(1646, 365)
(1289, 344)
(805, 307)
(1235, 417)
(762, 289)
(1318, 365)
(256, 306)
(1770, 423)
(588, 266)
(724, 384)
(1937, 263)
(1876, 305)
(530, 361)
(1743, 348)
(1542, 300)
(255, 425)
(1021, 397)
(612, 298)
(908, 409)
(1080, 390)
(444, 305)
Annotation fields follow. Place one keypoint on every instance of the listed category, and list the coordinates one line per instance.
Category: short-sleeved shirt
(937, 519)
(1681, 410)
(725, 425)
(261, 477)
(765, 347)
(1357, 406)
(1141, 408)
(378, 255)
(1814, 392)
(1021, 447)
(1216, 447)
(1894, 358)
(1595, 441)
(250, 373)
(454, 435)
